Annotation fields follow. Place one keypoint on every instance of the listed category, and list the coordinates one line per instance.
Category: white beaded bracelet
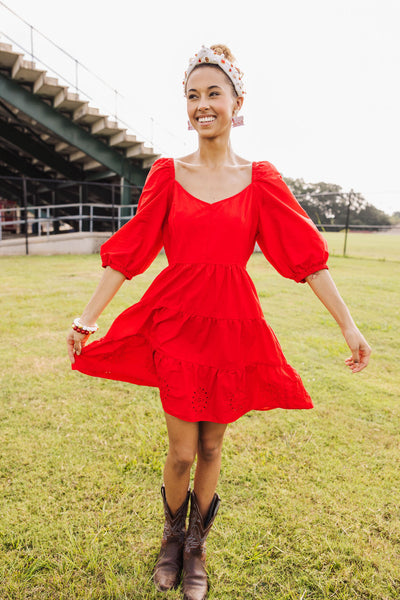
(86, 329)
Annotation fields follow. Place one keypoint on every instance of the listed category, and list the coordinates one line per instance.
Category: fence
(36, 207)
(43, 220)
(46, 207)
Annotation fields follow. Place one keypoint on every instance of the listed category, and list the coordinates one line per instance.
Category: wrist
(348, 325)
(87, 319)
(84, 328)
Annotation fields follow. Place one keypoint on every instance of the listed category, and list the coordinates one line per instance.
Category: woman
(198, 333)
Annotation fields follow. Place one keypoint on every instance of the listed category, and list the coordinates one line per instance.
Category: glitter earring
(237, 121)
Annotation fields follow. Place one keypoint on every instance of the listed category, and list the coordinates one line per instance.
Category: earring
(237, 121)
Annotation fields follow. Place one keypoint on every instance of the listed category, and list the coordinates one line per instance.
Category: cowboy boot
(195, 585)
(168, 568)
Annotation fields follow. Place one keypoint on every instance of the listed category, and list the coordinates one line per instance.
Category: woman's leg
(203, 510)
(183, 442)
(208, 467)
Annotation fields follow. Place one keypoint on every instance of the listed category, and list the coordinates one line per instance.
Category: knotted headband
(207, 56)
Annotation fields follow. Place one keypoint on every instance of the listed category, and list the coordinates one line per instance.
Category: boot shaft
(175, 525)
(199, 528)
(195, 584)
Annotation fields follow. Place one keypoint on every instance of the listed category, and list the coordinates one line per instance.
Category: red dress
(198, 333)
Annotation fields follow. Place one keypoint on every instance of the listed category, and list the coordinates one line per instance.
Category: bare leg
(183, 442)
(208, 467)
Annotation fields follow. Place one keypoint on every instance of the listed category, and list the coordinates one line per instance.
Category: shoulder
(162, 168)
(264, 171)
(272, 190)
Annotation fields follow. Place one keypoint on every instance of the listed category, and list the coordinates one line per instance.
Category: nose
(204, 104)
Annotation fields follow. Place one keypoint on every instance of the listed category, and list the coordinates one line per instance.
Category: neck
(215, 152)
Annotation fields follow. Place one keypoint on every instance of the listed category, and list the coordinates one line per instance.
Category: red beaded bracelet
(84, 329)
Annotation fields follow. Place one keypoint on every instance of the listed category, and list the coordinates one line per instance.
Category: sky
(322, 77)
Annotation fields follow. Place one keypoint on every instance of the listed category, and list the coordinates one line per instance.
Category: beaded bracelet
(85, 329)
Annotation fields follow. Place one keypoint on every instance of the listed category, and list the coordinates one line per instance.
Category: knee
(210, 450)
(181, 459)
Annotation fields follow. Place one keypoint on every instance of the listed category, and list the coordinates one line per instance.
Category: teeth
(206, 119)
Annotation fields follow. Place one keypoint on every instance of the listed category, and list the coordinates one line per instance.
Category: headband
(207, 56)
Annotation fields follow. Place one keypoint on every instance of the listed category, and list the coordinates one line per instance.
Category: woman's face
(210, 101)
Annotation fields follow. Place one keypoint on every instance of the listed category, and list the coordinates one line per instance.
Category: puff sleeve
(286, 235)
(133, 248)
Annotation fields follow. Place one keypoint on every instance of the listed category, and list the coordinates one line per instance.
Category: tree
(370, 215)
(327, 204)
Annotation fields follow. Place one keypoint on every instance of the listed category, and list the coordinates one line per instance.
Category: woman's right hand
(75, 343)
(360, 349)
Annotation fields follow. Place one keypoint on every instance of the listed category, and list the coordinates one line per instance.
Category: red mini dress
(199, 333)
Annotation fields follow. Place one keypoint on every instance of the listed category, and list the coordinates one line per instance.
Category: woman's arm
(108, 286)
(325, 289)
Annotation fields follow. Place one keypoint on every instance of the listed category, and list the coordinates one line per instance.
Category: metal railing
(44, 221)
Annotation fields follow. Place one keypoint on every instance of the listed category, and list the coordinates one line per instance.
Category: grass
(381, 246)
(310, 499)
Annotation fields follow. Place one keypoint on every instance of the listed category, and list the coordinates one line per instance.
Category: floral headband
(207, 56)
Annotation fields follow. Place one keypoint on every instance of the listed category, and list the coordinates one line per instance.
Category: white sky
(322, 76)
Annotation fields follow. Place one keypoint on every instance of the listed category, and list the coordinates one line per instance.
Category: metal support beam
(25, 195)
(44, 114)
(125, 193)
(23, 166)
(9, 191)
(41, 181)
(38, 150)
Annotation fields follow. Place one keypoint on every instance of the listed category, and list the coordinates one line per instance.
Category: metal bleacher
(56, 150)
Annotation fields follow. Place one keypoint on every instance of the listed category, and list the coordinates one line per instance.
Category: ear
(238, 103)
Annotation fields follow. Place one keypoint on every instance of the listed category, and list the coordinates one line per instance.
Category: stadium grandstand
(66, 167)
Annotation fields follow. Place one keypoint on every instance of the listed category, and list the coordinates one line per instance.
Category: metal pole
(80, 208)
(48, 220)
(25, 193)
(113, 208)
(32, 43)
(347, 222)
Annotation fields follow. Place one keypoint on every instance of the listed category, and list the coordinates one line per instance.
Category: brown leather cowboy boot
(195, 583)
(167, 571)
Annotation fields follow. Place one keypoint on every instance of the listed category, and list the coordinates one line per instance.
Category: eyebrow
(210, 87)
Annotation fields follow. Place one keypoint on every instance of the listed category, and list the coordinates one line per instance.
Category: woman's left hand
(360, 350)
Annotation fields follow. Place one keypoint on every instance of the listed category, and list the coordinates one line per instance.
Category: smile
(206, 120)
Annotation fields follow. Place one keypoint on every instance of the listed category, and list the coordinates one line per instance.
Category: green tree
(327, 204)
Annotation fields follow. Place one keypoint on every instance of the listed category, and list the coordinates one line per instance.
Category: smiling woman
(199, 333)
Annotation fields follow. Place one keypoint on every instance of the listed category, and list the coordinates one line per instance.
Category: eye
(214, 94)
(192, 96)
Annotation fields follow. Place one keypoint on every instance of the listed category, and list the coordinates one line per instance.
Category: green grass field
(381, 246)
(310, 499)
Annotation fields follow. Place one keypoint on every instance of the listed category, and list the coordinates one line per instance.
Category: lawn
(310, 499)
(381, 246)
